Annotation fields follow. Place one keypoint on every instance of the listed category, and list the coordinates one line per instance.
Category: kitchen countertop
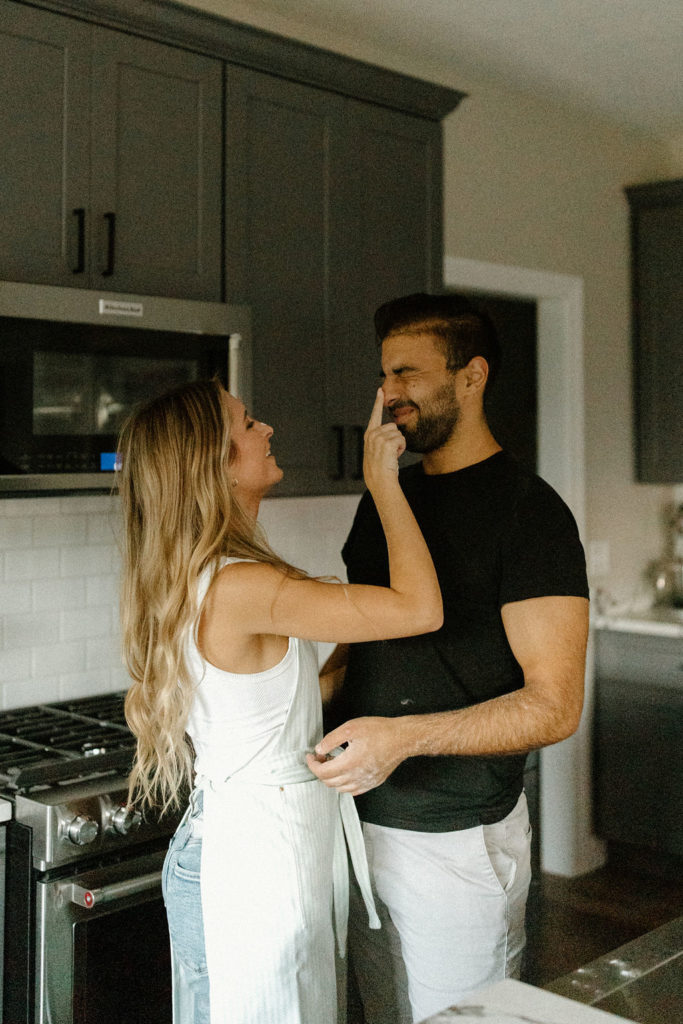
(641, 981)
(514, 1002)
(658, 621)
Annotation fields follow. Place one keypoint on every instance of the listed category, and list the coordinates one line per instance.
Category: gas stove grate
(48, 743)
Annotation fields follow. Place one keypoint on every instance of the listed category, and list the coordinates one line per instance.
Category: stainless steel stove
(85, 936)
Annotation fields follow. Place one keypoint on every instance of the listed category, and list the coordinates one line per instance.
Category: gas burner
(68, 740)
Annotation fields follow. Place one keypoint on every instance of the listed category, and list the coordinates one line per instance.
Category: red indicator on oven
(88, 899)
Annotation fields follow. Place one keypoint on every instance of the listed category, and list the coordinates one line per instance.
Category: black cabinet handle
(338, 453)
(111, 244)
(359, 436)
(79, 214)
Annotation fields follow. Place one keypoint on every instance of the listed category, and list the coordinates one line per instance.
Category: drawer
(639, 658)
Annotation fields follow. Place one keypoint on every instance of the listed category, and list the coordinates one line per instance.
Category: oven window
(122, 967)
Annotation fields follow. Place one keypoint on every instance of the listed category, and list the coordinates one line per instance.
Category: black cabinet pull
(338, 453)
(111, 244)
(359, 437)
(79, 214)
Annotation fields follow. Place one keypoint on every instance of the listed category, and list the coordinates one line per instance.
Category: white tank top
(236, 717)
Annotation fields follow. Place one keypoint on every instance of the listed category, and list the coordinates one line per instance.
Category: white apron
(274, 876)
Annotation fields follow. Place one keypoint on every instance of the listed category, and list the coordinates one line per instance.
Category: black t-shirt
(497, 534)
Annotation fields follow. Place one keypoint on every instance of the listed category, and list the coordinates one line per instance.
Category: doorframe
(568, 844)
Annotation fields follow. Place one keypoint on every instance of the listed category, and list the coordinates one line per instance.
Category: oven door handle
(90, 898)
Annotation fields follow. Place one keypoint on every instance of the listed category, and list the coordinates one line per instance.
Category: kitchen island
(641, 981)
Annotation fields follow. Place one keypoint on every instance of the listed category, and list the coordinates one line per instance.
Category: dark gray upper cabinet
(657, 276)
(333, 206)
(113, 154)
(45, 149)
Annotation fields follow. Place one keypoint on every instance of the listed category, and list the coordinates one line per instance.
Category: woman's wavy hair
(179, 517)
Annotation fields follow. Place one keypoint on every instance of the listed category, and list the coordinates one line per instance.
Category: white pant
(452, 910)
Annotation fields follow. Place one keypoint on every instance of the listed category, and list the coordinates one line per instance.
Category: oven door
(102, 947)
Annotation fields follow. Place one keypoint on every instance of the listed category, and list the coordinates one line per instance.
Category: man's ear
(476, 374)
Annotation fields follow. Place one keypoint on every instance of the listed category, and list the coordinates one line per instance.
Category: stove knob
(82, 830)
(125, 820)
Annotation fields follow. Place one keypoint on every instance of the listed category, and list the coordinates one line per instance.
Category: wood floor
(580, 919)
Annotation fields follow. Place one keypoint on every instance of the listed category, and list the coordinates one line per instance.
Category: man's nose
(390, 391)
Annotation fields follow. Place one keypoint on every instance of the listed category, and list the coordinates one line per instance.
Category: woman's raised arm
(259, 599)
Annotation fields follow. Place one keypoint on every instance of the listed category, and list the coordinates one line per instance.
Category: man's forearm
(512, 723)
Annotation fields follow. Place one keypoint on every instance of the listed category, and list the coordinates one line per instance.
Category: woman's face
(251, 465)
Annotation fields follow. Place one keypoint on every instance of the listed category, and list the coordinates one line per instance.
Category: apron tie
(291, 769)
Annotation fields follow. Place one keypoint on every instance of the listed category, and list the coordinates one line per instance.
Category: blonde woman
(216, 632)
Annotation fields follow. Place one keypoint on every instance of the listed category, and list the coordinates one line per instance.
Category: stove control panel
(125, 820)
(82, 830)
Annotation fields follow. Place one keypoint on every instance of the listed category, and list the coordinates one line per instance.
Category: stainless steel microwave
(73, 363)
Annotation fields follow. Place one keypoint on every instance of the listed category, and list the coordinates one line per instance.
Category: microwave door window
(81, 394)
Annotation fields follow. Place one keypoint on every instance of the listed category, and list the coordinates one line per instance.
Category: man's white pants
(452, 910)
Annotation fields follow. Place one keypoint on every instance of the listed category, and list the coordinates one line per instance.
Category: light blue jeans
(182, 896)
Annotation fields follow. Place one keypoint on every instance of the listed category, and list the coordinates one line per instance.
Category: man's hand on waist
(375, 747)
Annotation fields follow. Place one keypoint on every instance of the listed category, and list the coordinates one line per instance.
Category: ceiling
(619, 58)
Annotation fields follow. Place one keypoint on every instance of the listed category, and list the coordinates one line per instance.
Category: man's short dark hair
(463, 330)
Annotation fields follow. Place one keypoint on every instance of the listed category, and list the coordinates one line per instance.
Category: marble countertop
(514, 1002)
(641, 981)
(658, 621)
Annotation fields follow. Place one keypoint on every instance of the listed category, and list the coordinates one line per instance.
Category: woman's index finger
(377, 409)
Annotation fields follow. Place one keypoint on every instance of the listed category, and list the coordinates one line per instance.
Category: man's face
(419, 392)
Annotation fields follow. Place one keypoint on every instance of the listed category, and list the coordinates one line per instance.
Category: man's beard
(436, 421)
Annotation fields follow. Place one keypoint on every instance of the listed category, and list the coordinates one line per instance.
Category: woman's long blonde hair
(179, 518)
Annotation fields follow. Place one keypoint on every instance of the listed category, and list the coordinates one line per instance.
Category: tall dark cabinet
(111, 160)
(334, 207)
(150, 148)
(657, 280)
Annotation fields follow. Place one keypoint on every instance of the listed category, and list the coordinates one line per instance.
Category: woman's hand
(384, 443)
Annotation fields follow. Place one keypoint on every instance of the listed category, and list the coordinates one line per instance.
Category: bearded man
(437, 726)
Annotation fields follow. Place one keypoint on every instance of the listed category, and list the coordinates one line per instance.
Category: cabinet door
(277, 212)
(638, 741)
(333, 207)
(385, 240)
(44, 162)
(156, 169)
(657, 238)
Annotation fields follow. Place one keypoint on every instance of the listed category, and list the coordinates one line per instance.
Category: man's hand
(374, 750)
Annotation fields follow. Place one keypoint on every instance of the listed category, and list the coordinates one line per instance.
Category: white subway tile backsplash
(15, 664)
(90, 503)
(102, 529)
(15, 597)
(58, 594)
(31, 629)
(30, 691)
(15, 533)
(84, 684)
(28, 507)
(58, 530)
(85, 622)
(54, 659)
(31, 564)
(102, 590)
(88, 560)
(103, 652)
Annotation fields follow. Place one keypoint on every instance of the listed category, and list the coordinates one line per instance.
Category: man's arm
(333, 671)
(548, 638)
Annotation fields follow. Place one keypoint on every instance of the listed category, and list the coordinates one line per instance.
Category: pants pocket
(184, 905)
